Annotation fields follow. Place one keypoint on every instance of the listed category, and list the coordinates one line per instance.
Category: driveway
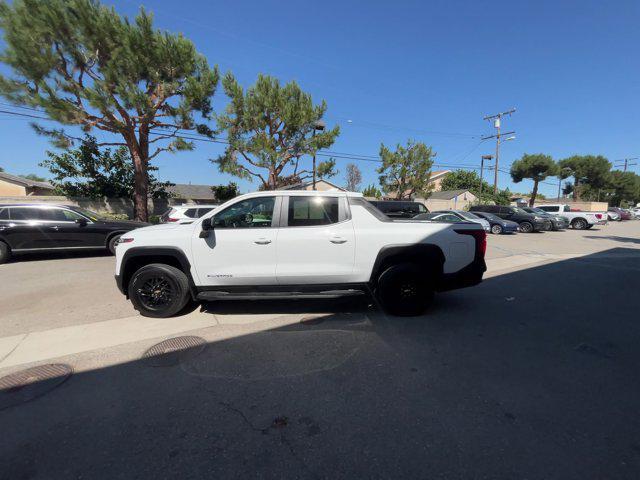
(532, 374)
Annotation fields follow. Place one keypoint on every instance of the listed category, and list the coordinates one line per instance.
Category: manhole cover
(25, 385)
(174, 350)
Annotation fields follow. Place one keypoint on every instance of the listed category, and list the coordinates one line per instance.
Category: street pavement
(532, 374)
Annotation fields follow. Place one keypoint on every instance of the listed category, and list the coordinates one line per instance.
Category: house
(321, 186)
(449, 200)
(436, 179)
(192, 193)
(14, 186)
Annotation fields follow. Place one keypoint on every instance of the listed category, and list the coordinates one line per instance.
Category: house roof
(447, 194)
(183, 190)
(25, 182)
(303, 185)
(437, 174)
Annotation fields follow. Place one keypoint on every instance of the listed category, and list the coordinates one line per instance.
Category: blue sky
(427, 70)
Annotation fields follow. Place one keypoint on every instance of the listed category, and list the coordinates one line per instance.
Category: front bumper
(542, 226)
(467, 277)
(119, 284)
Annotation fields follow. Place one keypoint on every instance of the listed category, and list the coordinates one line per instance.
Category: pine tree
(407, 170)
(269, 127)
(84, 65)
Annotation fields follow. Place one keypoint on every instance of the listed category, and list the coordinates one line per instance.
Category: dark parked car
(624, 214)
(399, 208)
(498, 225)
(28, 228)
(558, 222)
(528, 222)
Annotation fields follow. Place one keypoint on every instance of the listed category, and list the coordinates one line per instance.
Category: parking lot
(533, 374)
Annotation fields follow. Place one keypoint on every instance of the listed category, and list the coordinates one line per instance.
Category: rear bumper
(467, 277)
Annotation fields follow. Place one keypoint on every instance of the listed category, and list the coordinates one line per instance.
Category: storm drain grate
(173, 351)
(25, 385)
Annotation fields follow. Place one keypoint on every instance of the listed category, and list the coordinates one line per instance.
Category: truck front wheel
(405, 290)
(158, 290)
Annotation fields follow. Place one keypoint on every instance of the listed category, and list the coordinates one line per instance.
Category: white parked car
(185, 212)
(297, 243)
(577, 219)
(468, 217)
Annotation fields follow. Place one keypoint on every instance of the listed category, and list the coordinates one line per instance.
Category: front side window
(4, 214)
(250, 213)
(312, 211)
(202, 211)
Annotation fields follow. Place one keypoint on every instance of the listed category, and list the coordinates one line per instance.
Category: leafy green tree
(88, 171)
(372, 192)
(536, 167)
(226, 192)
(622, 188)
(1, 169)
(407, 170)
(354, 177)
(465, 179)
(269, 128)
(84, 65)
(588, 172)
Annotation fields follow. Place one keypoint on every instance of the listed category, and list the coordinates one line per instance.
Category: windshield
(93, 216)
(469, 216)
(490, 216)
(521, 210)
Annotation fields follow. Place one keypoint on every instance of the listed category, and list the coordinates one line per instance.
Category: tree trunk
(534, 193)
(139, 151)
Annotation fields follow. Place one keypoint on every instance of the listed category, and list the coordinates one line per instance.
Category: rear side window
(26, 214)
(191, 212)
(202, 211)
(567, 208)
(312, 211)
(4, 214)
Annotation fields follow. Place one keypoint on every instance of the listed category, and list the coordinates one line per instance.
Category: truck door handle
(55, 227)
(338, 240)
(262, 241)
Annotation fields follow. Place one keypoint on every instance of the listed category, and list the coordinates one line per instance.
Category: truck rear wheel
(579, 224)
(158, 290)
(5, 252)
(405, 290)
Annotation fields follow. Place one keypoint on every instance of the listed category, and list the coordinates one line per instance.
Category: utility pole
(497, 121)
(482, 159)
(317, 126)
(559, 187)
(626, 163)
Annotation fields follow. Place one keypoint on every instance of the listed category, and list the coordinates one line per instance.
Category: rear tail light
(598, 216)
(172, 219)
(481, 240)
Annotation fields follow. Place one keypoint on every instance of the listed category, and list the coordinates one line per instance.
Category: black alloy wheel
(159, 290)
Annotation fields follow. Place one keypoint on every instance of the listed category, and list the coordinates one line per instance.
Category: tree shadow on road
(615, 238)
(533, 373)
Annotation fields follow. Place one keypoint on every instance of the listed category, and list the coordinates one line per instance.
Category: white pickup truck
(577, 219)
(293, 244)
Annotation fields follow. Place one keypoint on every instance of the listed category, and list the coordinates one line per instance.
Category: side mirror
(206, 227)
(81, 221)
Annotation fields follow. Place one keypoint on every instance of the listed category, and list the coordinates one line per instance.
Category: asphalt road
(532, 374)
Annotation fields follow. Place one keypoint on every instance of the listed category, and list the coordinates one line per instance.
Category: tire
(526, 227)
(496, 229)
(405, 290)
(5, 252)
(158, 290)
(111, 245)
(579, 223)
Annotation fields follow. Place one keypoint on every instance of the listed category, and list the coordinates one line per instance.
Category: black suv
(399, 208)
(528, 222)
(36, 227)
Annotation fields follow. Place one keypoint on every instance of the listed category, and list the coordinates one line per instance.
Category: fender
(426, 253)
(136, 257)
